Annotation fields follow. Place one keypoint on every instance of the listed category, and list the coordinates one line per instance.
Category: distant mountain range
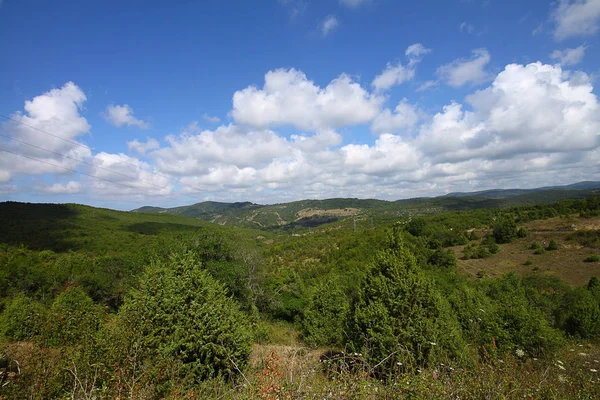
(308, 213)
(504, 193)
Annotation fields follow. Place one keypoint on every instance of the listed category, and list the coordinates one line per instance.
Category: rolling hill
(307, 213)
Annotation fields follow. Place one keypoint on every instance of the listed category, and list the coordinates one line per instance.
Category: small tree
(22, 318)
(505, 230)
(398, 318)
(73, 318)
(325, 315)
(180, 313)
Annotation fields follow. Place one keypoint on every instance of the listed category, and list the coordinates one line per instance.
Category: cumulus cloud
(51, 121)
(329, 24)
(397, 74)
(211, 119)
(403, 119)
(134, 177)
(462, 71)
(533, 109)
(576, 18)
(123, 115)
(532, 122)
(70, 187)
(141, 147)
(533, 125)
(289, 98)
(569, 57)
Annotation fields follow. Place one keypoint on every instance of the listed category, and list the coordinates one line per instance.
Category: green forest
(418, 303)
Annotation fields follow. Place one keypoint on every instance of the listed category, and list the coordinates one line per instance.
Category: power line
(87, 147)
(71, 169)
(82, 161)
(79, 144)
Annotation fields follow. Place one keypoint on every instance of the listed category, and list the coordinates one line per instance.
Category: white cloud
(569, 57)
(397, 74)
(329, 24)
(52, 122)
(528, 110)
(462, 71)
(194, 154)
(427, 85)
(123, 115)
(538, 29)
(403, 119)
(465, 27)
(533, 125)
(133, 177)
(289, 98)
(576, 18)
(392, 75)
(415, 53)
(70, 187)
(211, 119)
(353, 3)
(141, 147)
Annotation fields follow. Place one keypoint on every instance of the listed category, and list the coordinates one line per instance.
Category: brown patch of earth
(336, 212)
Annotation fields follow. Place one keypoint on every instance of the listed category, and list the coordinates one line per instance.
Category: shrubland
(107, 304)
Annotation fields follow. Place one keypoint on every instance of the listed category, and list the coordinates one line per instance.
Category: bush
(181, 314)
(540, 250)
(22, 318)
(583, 318)
(505, 230)
(443, 259)
(528, 262)
(398, 318)
(325, 315)
(522, 233)
(535, 246)
(494, 248)
(593, 258)
(553, 245)
(73, 318)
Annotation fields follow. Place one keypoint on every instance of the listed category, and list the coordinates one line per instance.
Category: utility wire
(82, 161)
(79, 144)
(72, 170)
(87, 147)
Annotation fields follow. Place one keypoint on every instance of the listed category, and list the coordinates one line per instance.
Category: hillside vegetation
(98, 303)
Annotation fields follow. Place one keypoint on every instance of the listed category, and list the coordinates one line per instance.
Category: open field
(567, 262)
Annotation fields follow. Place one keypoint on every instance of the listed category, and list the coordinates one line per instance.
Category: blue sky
(278, 100)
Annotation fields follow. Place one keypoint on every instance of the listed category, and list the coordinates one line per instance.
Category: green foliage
(473, 236)
(505, 229)
(593, 258)
(528, 262)
(325, 315)
(417, 227)
(539, 250)
(552, 245)
(493, 248)
(522, 232)
(445, 259)
(481, 251)
(73, 318)
(582, 314)
(181, 313)
(22, 318)
(398, 317)
(522, 325)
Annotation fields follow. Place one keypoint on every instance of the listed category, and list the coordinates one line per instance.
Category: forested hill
(315, 212)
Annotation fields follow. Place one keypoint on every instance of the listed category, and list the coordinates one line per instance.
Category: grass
(298, 372)
(567, 262)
